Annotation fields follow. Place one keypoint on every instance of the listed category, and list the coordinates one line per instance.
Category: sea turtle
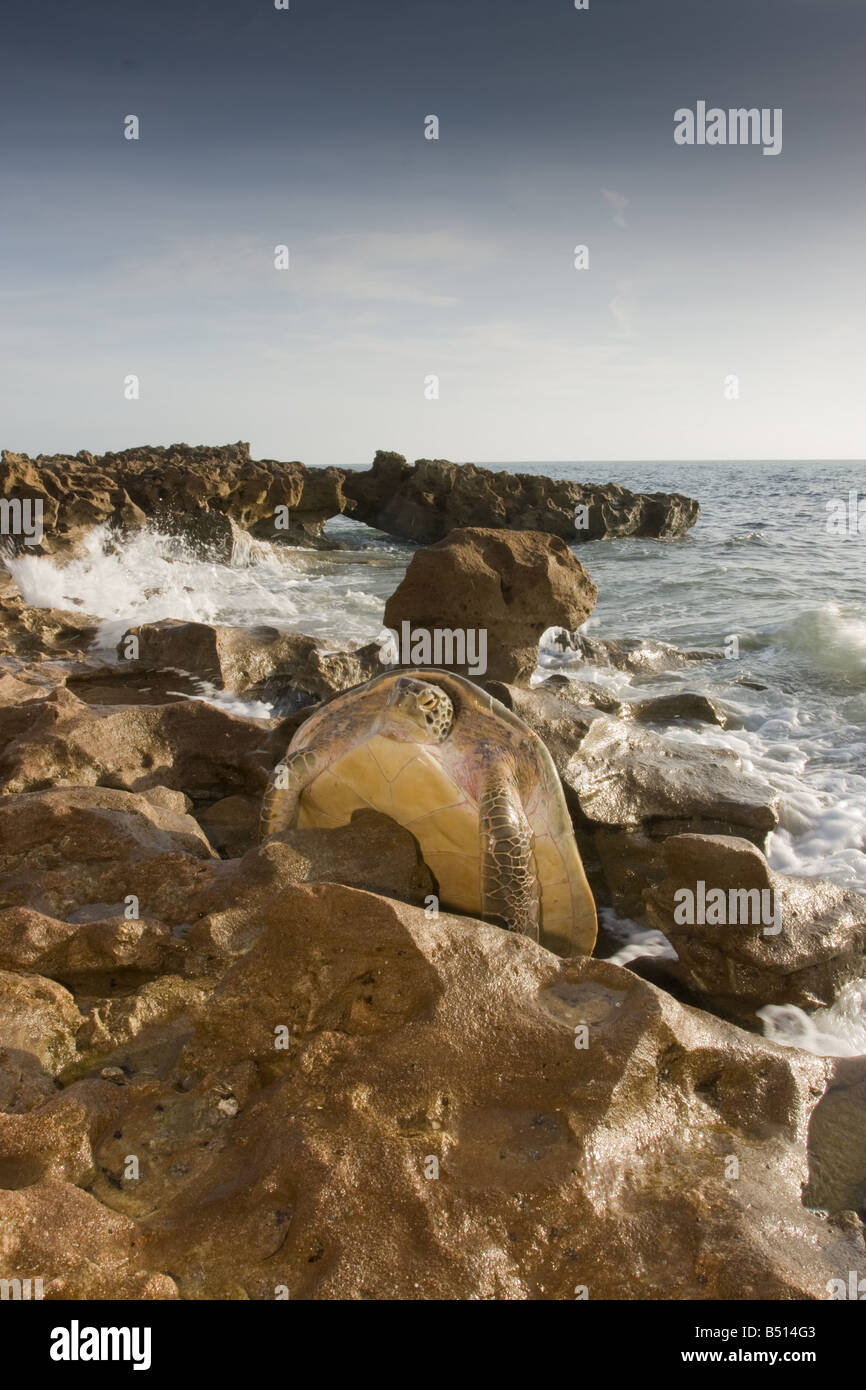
(473, 784)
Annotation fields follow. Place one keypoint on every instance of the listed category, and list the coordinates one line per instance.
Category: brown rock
(76, 952)
(428, 501)
(625, 776)
(38, 1017)
(286, 1113)
(258, 660)
(820, 944)
(73, 846)
(837, 1142)
(510, 585)
(232, 824)
(83, 1249)
(189, 746)
(31, 633)
(47, 829)
(371, 852)
(194, 492)
(640, 655)
(684, 705)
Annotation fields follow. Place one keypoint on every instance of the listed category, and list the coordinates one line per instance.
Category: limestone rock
(626, 776)
(371, 852)
(86, 1250)
(30, 633)
(290, 1108)
(71, 846)
(741, 966)
(232, 824)
(189, 746)
(200, 493)
(837, 1142)
(258, 660)
(512, 585)
(39, 1017)
(74, 952)
(683, 705)
(643, 656)
(426, 502)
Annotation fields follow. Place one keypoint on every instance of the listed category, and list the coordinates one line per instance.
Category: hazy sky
(411, 257)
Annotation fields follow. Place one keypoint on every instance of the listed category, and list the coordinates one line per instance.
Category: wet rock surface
(768, 938)
(626, 776)
(511, 586)
(335, 1095)
(259, 661)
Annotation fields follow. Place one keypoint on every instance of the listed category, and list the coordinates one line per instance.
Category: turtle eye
(427, 701)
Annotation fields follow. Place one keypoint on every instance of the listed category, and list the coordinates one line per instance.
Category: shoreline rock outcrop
(215, 497)
(197, 492)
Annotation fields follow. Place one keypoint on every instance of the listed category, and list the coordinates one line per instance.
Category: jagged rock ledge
(212, 494)
(425, 501)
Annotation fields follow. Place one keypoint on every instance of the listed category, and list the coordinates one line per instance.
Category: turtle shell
(408, 782)
(432, 790)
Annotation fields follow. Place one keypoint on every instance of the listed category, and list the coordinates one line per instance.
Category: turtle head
(417, 712)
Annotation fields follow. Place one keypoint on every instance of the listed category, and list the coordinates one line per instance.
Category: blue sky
(412, 257)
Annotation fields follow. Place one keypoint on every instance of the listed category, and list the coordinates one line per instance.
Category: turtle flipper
(509, 880)
(283, 792)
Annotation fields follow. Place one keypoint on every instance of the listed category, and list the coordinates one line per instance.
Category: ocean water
(763, 565)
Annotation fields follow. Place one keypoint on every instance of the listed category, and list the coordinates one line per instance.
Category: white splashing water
(837, 1031)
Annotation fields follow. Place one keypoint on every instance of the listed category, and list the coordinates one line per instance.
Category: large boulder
(350, 1070)
(189, 746)
(626, 776)
(792, 941)
(71, 846)
(509, 586)
(260, 660)
(428, 501)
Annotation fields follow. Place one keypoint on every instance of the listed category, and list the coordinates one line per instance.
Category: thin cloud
(622, 306)
(617, 204)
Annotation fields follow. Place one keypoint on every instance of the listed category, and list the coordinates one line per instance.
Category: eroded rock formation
(330, 1093)
(509, 585)
(427, 500)
(215, 497)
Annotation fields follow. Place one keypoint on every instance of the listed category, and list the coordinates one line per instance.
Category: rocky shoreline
(231, 1070)
(211, 496)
